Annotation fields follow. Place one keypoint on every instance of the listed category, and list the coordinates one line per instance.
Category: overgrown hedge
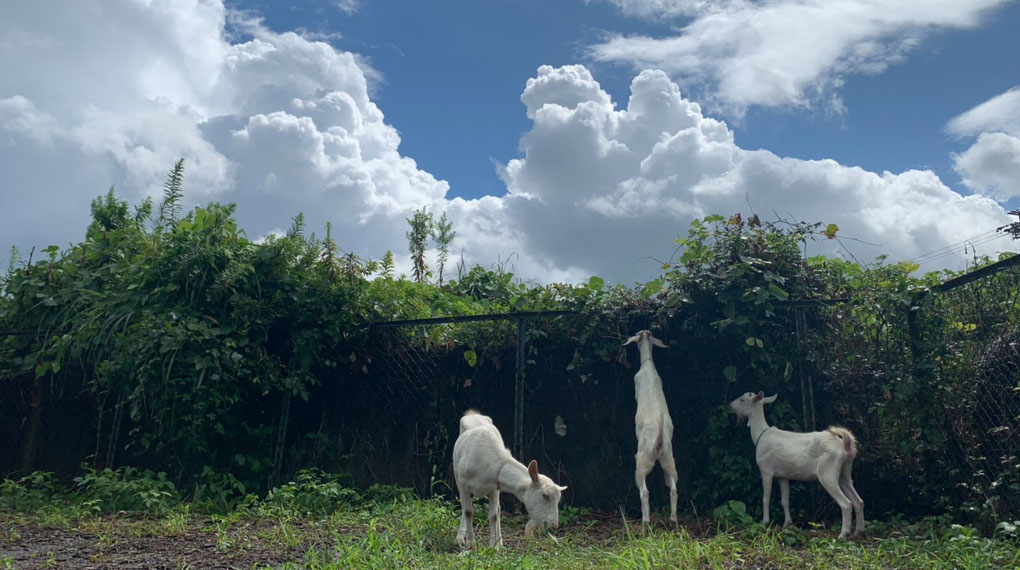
(174, 343)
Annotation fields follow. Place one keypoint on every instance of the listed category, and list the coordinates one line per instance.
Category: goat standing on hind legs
(826, 456)
(653, 425)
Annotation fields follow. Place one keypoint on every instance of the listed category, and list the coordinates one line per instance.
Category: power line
(957, 249)
(956, 246)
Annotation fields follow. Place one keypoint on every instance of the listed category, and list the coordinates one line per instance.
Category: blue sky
(453, 74)
(564, 138)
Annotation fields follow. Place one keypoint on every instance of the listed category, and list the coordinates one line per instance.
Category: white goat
(653, 425)
(826, 456)
(482, 466)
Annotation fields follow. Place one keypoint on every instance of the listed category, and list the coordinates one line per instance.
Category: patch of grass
(128, 489)
(317, 523)
(285, 534)
(174, 523)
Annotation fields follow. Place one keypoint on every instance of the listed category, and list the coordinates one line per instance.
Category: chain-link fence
(48, 426)
(978, 363)
(931, 393)
(929, 388)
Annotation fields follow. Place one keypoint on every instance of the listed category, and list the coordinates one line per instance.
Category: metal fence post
(807, 391)
(519, 393)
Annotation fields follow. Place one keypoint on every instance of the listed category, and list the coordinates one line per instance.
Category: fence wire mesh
(979, 364)
(932, 394)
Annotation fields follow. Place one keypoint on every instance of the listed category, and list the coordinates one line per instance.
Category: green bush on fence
(211, 356)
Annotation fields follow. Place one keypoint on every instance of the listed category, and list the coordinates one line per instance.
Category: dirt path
(199, 543)
(129, 545)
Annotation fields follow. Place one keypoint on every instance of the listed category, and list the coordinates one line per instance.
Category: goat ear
(533, 471)
(563, 488)
(757, 397)
(657, 342)
(630, 340)
(771, 398)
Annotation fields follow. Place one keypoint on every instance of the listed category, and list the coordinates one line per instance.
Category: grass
(393, 529)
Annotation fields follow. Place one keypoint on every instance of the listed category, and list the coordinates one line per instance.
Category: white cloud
(347, 6)
(998, 114)
(115, 91)
(672, 8)
(991, 166)
(607, 190)
(783, 52)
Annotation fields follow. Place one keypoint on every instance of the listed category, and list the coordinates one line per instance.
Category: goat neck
(647, 383)
(512, 477)
(757, 424)
(645, 349)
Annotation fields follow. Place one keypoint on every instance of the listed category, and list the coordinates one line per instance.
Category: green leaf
(652, 288)
(730, 372)
(788, 372)
(830, 231)
(778, 291)
(596, 283)
(738, 507)
(471, 358)
(749, 341)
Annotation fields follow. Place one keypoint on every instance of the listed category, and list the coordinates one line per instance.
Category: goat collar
(755, 442)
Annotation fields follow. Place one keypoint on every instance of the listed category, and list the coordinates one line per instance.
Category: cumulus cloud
(115, 91)
(608, 190)
(784, 52)
(991, 166)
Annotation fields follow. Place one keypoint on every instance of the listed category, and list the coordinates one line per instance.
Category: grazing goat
(482, 466)
(826, 456)
(653, 425)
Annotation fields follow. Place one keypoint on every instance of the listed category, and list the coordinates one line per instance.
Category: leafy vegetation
(167, 342)
(315, 522)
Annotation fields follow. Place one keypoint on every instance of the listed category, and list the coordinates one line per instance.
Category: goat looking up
(653, 425)
(826, 456)
(482, 466)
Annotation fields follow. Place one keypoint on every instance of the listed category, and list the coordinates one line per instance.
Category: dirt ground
(128, 543)
(121, 546)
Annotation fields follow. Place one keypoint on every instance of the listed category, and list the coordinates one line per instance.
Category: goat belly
(788, 464)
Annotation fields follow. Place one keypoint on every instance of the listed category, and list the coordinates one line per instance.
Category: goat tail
(849, 441)
(658, 443)
(466, 415)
